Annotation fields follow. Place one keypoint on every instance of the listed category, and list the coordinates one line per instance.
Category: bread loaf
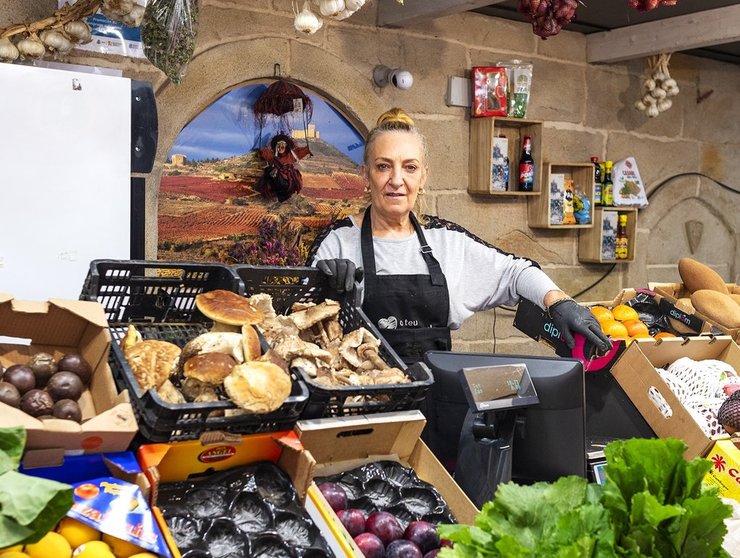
(720, 308)
(736, 298)
(697, 276)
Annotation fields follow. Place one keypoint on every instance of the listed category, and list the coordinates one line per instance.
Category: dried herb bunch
(168, 33)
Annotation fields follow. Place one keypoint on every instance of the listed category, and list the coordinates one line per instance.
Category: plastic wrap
(168, 33)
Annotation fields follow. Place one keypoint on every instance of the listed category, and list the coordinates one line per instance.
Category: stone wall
(587, 110)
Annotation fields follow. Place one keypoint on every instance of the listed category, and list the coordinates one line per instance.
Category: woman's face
(395, 171)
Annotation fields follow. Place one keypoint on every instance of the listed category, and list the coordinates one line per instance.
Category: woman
(424, 276)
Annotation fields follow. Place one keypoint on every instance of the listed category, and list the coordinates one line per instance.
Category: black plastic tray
(288, 285)
(160, 421)
(154, 291)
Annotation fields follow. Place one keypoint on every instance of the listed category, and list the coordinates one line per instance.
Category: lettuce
(652, 505)
(29, 506)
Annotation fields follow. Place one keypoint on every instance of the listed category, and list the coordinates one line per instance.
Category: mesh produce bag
(699, 386)
(169, 31)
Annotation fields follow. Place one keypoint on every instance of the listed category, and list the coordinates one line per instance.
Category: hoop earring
(367, 189)
(422, 191)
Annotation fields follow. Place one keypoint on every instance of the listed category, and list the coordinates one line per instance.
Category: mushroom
(209, 368)
(169, 393)
(228, 343)
(198, 392)
(292, 347)
(304, 319)
(227, 308)
(152, 361)
(251, 345)
(258, 387)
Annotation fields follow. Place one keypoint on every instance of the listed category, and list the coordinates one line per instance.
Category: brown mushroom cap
(227, 307)
(209, 368)
(258, 387)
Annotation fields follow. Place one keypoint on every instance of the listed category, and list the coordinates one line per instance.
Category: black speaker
(144, 126)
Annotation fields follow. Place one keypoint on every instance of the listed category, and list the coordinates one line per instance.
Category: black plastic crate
(154, 291)
(288, 285)
(160, 421)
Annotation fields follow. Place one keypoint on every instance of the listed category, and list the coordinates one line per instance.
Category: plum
(370, 545)
(385, 526)
(432, 553)
(353, 520)
(334, 494)
(403, 549)
(423, 534)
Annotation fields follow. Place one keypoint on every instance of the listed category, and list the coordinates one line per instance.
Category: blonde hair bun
(395, 118)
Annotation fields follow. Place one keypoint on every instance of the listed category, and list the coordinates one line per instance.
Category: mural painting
(219, 196)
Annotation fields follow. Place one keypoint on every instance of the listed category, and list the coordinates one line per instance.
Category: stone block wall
(586, 108)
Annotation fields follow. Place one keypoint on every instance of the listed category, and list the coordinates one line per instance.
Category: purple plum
(385, 526)
(334, 494)
(370, 545)
(403, 549)
(432, 553)
(353, 520)
(423, 534)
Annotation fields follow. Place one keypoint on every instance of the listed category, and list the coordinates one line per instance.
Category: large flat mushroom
(228, 310)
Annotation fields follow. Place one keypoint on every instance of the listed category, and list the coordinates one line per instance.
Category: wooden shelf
(482, 132)
(591, 242)
(540, 209)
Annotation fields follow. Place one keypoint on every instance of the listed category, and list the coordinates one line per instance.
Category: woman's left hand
(570, 317)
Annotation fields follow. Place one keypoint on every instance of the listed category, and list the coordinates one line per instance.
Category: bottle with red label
(526, 166)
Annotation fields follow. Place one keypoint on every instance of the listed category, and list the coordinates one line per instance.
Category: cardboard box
(636, 373)
(58, 327)
(334, 445)
(696, 321)
(725, 471)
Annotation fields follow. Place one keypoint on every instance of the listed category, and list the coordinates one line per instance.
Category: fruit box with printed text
(725, 471)
(636, 372)
(337, 445)
(61, 327)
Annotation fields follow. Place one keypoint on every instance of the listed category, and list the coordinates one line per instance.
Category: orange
(636, 328)
(614, 328)
(623, 312)
(663, 335)
(602, 313)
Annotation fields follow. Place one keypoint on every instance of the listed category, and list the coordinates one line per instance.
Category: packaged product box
(636, 373)
(58, 327)
(629, 190)
(490, 91)
(334, 445)
(500, 165)
(695, 321)
(725, 471)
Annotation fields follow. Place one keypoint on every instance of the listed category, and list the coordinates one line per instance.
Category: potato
(718, 307)
(697, 276)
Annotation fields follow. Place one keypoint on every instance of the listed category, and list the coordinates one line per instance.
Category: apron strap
(368, 254)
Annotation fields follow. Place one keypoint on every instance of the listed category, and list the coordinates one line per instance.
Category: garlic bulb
(56, 41)
(8, 51)
(306, 21)
(330, 8)
(78, 31)
(31, 47)
(135, 17)
(639, 105)
(344, 14)
(649, 84)
(658, 93)
(664, 104)
(116, 9)
(353, 5)
(652, 111)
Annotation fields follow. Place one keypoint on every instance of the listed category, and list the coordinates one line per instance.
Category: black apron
(411, 311)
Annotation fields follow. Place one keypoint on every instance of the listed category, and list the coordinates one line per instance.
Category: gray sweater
(479, 275)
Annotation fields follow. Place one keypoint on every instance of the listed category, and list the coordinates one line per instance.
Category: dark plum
(370, 545)
(432, 553)
(43, 367)
(67, 409)
(37, 403)
(334, 494)
(77, 365)
(353, 520)
(403, 549)
(385, 526)
(65, 385)
(21, 376)
(9, 394)
(423, 534)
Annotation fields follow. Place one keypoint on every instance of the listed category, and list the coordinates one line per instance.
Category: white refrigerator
(65, 171)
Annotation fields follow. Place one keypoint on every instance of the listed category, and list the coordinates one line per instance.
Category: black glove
(571, 317)
(341, 274)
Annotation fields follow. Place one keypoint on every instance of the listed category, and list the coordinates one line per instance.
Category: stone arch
(226, 66)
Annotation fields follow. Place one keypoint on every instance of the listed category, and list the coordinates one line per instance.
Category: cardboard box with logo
(725, 471)
(696, 321)
(636, 373)
(61, 327)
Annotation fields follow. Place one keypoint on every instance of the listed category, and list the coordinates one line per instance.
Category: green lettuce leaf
(12, 442)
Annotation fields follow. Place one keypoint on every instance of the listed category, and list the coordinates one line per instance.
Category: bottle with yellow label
(607, 189)
(622, 248)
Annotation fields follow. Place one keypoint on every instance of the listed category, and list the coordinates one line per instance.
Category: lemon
(16, 548)
(10, 553)
(121, 548)
(144, 555)
(51, 545)
(93, 549)
(76, 532)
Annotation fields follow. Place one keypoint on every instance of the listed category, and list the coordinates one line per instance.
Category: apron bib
(411, 311)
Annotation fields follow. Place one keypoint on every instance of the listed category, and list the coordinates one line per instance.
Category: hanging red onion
(647, 5)
(548, 16)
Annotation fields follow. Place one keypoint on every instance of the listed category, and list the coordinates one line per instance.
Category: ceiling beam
(674, 34)
(393, 14)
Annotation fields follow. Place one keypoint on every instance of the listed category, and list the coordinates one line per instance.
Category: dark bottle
(622, 250)
(526, 166)
(597, 180)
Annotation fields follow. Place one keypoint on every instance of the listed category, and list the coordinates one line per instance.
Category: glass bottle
(607, 189)
(526, 166)
(622, 249)
(597, 180)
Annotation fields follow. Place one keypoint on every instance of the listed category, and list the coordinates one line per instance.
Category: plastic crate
(288, 285)
(154, 291)
(160, 421)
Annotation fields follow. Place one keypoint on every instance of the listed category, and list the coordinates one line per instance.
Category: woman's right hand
(341, 274)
